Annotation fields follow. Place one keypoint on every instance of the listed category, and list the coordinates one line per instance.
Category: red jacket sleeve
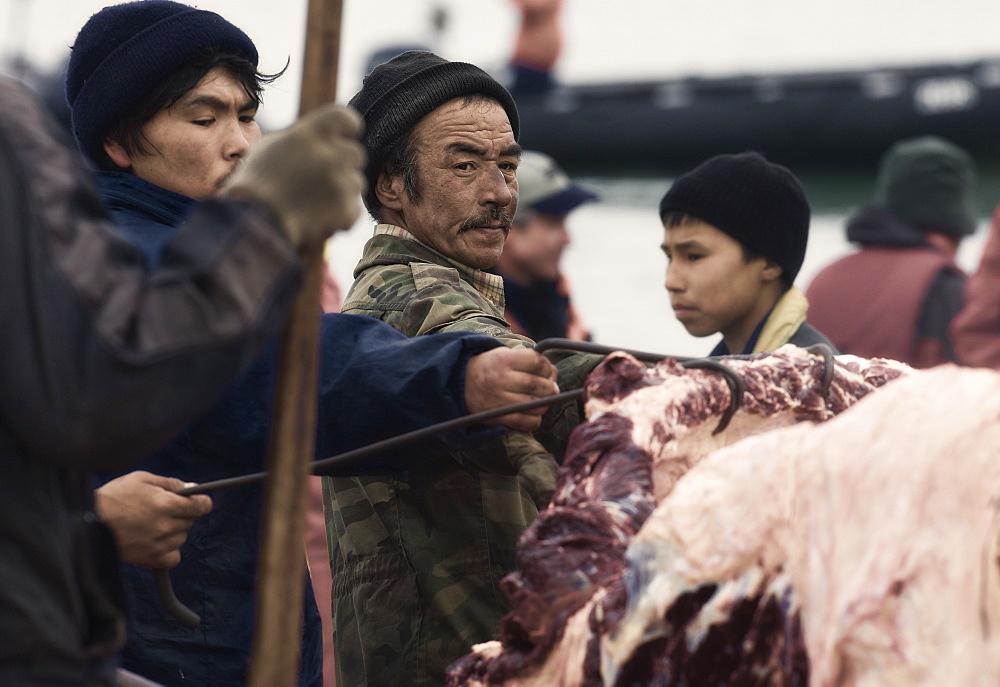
(975, 331)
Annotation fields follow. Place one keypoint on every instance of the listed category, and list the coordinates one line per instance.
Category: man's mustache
(491, 215)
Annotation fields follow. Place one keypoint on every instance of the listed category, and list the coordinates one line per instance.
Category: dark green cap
(929, 183)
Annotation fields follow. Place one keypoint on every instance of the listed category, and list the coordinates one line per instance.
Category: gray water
(616, 268)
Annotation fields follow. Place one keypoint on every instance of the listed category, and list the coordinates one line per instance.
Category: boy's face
(194, 144)
(713, 287)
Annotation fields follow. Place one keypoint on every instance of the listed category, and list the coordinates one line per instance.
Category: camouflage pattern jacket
(417, 554)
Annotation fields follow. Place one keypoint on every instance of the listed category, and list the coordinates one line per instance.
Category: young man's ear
(771, 271)
(389, 191)
(116, 151)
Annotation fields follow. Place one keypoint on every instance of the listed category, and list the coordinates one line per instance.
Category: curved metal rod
(736, 388)
(590, 347)
(733, 379)
(165, 590)
(189, 618)
(392, 442)
(829, 364)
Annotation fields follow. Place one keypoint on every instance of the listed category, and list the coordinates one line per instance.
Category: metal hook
(829, 364)
(590, 347)
(733, 379)
(165, 590)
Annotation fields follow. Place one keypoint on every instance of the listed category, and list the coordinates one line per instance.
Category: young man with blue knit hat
(734, 232)
(104, 361)
(163, 99)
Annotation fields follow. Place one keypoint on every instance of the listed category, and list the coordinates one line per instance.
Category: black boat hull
(836, 119)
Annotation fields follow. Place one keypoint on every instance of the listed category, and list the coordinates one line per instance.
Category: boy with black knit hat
(735, 233)
(182, 87)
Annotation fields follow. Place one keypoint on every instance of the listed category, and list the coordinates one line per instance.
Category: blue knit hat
(124, 51)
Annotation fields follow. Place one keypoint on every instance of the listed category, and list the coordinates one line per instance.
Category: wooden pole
(274, 661)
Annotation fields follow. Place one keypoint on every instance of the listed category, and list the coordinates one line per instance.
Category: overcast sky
(619, 39)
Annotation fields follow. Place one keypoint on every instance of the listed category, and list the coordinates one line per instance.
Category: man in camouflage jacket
(417, 554)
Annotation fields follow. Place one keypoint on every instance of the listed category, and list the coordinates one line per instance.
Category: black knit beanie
(760, 204)
(399, 93)
(124, 51)
(928, 182)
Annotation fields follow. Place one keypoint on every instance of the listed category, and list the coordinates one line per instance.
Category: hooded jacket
(893, 298)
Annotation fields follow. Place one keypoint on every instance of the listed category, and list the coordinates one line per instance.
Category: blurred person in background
(537, 293)
(897, 295)
(975, 331)
(537, 47)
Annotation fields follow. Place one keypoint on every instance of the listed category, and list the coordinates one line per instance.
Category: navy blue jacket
(374, 383)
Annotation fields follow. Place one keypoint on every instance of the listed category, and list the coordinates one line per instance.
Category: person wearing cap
(537, 47)
(735, 233)
(896, 296)
(537, 293)
(418, 554)
(163, 98)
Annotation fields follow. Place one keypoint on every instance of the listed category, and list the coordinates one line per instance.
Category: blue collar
(166, 206)
(722, 349)
(145, 213)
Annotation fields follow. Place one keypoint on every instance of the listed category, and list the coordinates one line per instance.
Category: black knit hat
(760, 204)
(928, 182)
(124, 51)
(399, 93)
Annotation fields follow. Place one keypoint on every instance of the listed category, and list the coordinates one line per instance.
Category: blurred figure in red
(976, 329)
(537, 46)
(897, 295)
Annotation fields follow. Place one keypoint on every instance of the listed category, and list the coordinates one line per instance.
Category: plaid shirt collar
(490, 285)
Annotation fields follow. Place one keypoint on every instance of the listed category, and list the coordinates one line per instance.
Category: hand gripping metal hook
(191, 619)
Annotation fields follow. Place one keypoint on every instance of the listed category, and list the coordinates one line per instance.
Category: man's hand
(309, 175)
(504, 376)
(147, 518)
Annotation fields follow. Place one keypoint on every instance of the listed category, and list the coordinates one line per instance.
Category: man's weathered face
(466, 163)
(194, 144)
(534, 248)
